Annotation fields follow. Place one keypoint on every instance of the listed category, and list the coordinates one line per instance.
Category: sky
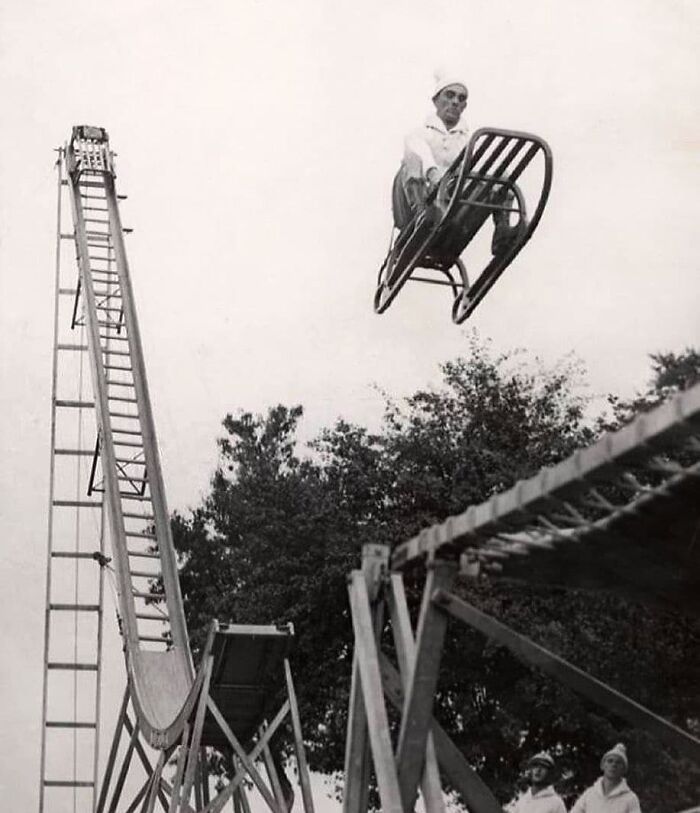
(257, 141)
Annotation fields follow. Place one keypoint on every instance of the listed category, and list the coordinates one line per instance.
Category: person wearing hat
(432, 148)
(540, 797)
(610, 793)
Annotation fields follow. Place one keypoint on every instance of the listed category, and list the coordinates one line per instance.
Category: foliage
(281, 528)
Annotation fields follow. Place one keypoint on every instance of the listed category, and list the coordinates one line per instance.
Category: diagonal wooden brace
(476, 795)
(373, 695)
(567, 673)
(431, 787)
(418, 702)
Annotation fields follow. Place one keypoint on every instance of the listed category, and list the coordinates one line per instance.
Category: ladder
(73, 622)
(105, 481)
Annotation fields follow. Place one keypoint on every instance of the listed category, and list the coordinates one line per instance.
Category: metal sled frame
(457, 209)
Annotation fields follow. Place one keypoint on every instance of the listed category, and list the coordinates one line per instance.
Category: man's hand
(432, 176)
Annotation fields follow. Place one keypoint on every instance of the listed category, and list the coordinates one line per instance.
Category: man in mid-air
(429, 151)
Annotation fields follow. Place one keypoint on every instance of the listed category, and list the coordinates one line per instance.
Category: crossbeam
(565, 672)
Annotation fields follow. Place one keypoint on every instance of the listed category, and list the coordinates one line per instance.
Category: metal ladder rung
(74, 404)
(71, 554)
(153, 639)
(122, 400)
(152, 617)
(117, 367)
(128, 443)
(134, 535)
(125, 479)
(111, 381)
(143, 554)
(108, 310)
(141, 594)
(78, 608)
(96, 220)
(131, 460)
(91, 184)
(142, 574)
(148, 517)
(113, 339)
(123, 415)
(69, 724)
(110, 325)
(138, 497)
(94, 209)
(77, 503)
(72, 783)
(124, 432)
(73, 667)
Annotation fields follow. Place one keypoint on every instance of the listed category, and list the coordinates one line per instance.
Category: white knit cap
(444, 78)
(618, 751)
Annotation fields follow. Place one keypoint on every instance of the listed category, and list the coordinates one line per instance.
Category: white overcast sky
(257, 140)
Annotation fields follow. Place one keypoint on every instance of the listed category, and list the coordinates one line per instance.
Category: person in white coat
(540, 797)
(610, 793)
(430, 150)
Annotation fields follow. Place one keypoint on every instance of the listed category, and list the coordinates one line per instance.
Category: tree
(282, 526)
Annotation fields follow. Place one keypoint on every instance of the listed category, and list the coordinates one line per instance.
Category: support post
(418, 702)
(300, 751)
(431, 786)
(372, 694)
(475, 793)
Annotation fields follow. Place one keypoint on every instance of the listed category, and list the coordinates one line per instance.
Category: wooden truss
(188, 790)
(423, 749)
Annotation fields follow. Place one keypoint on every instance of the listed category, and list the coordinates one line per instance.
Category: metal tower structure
(232, 702)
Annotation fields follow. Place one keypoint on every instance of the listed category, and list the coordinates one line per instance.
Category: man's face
(538, 773)
(450, 103)
(613, 767)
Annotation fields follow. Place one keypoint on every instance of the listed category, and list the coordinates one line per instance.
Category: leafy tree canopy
(283, 525)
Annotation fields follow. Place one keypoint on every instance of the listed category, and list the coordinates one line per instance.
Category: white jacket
(433, 146)
(546, 800)
(620, 800)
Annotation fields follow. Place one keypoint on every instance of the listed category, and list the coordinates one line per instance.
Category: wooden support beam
(218, 802)
(475, 793)
(570, 675)
(430, 785)
(273, 778)
(121, 778)
(146, 762)
(137, 800)
(418, 702)
(244, 758)
(179, 770)
(372, 694)
(197, 728)
(150, 801)
(356, 770)
(111, 757)
(299, 750)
